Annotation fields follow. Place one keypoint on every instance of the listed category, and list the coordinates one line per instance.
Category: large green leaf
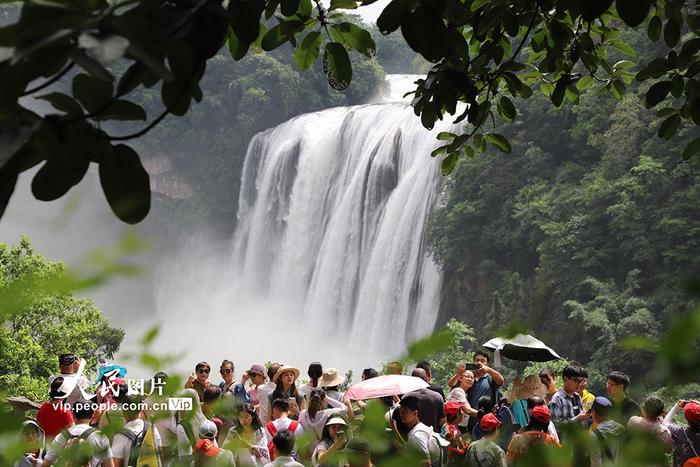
(343, 4)
(449, 163)
(691, 149)
(672, 32)
(669, 127)
(354, 37)
(591, 9)
(123, 110)
(55, 177)
(125, 184)
(308, 49)
(336, 65)
(657, 93)
(633, 12)
(93, 93)
(392, 16)
(499, 142)
(654, 28)
(63, 102)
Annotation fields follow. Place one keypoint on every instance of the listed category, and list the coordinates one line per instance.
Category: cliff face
(165, 180)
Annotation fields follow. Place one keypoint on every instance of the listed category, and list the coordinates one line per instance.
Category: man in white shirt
(123, 441)
(264, 392)
(81, 432)
(284, 444)
(281, 421)
(420, 436)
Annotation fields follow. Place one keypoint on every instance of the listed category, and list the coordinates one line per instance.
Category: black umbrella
(521, 347)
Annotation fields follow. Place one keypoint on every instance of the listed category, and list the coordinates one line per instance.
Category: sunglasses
(203, 370)
(225, 371)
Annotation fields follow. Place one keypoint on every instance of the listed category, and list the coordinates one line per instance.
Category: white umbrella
(521, 347)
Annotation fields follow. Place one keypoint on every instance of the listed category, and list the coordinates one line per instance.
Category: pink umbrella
(382, 386)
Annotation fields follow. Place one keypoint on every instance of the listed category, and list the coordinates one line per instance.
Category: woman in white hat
(330, 381)
(286, 388)
(315, 417)
(333, 440)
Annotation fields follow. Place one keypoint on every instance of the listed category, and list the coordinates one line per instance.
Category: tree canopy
(485, 54)
(51, 322)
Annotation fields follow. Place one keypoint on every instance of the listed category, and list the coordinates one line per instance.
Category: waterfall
(331, 227)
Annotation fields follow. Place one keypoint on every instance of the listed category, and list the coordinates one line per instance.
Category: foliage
(484, 54)
(584, 235)
(55, 322)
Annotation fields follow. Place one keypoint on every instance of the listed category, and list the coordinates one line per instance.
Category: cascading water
(328, 261)
(332, 217)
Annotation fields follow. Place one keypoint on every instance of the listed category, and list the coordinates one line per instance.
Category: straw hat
(532, 386)
(283, 369)
(330, 378)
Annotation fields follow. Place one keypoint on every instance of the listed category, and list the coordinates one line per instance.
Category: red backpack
(272, 429)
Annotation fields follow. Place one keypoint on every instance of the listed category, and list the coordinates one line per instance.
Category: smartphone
(292, 401)
(471, 366)
(341, 434)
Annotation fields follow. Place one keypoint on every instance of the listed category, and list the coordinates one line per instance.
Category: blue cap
(602, 402)
(117, 371)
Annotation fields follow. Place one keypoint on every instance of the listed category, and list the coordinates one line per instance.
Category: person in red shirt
(450, 431)
(55, 414)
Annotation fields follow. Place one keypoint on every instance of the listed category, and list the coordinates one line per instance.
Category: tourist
(450, 431)
(285, 388)
(313, 419)
(487, 381)
(54, 415)
(606, 435)
(69, 364)
(333, 440)
(459, 393)
(135, 427)
(420, 436)
(81, 432)
(357, 453)
(431, 412)
(207, 452)
(264, 393)
(158, 412)
(622, 406)
(566, 405)
(257, 379)
(188, 426)
(537, 401)
(485, 452)
(651, 421)
(521, 392)
(210, 400)
(281, 421)
(394, 368)
(485, 405)
(427, 367)
(283, 443)
(34, 443)
(586, 396)
(330, 381)
(533, 438)
(369, 373)
(549, 379)
(685, 439)
(199, 380)
(227, 374)
(247, 439)
(314, 372)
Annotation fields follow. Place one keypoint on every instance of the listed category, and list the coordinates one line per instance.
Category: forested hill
(585, 234)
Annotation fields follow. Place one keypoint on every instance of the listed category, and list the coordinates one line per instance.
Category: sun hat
(256, 369)
(208, 430)
(110, 369)
(531, 386)
(542, 414)
(692, 412)
(452, 408)
(336, 421)
(457, 395)
(283, 369)
(489, 422)
(330, 378)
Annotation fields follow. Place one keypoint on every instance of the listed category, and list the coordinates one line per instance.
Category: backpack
(693, 461)
(136, 442)
(272, 429)
(72, 443)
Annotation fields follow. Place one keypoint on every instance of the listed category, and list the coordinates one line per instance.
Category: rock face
(165, 181)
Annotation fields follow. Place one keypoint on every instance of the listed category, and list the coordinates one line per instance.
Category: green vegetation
(584, 235)
(51, 323)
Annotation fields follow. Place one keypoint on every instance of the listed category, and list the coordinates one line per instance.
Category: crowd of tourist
(269, 417)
